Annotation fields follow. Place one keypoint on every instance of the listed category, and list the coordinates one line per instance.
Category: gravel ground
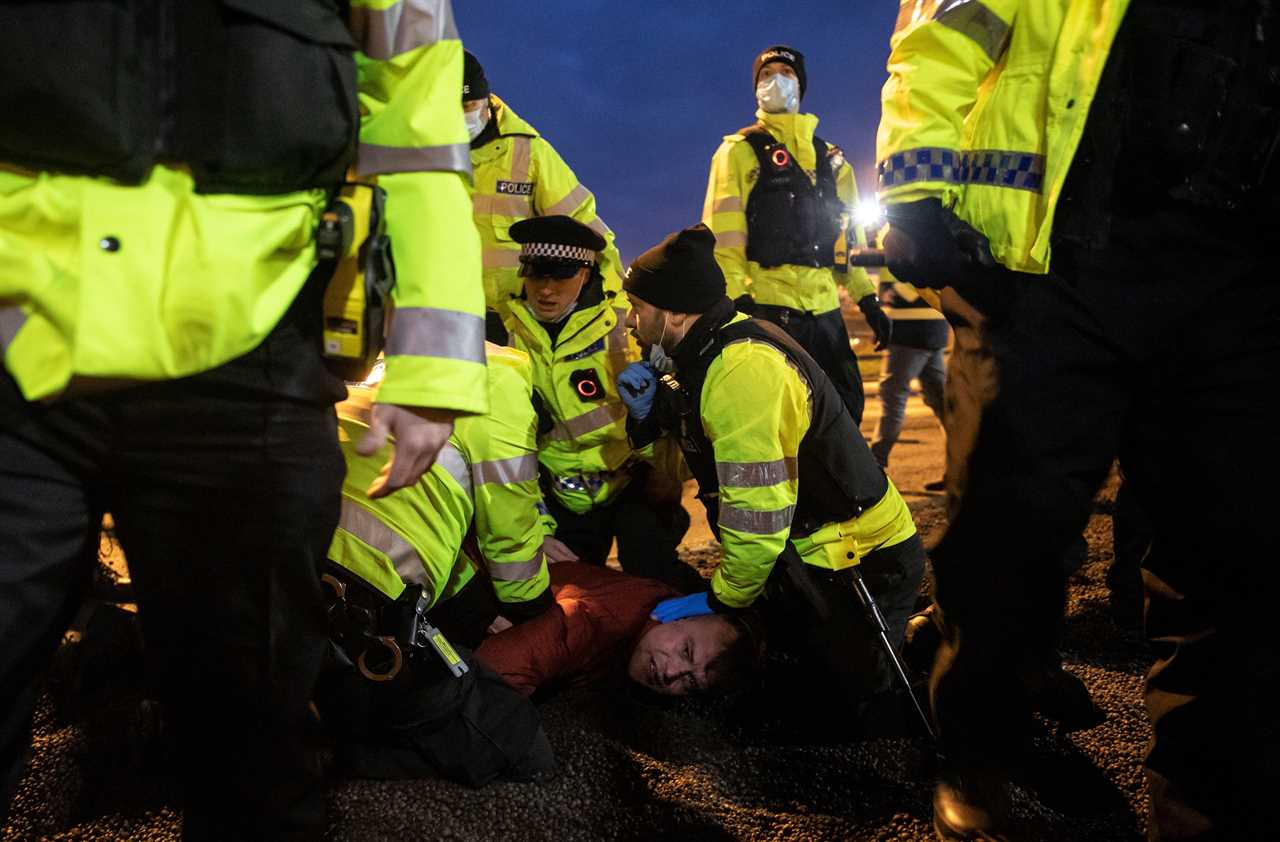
(696, 770)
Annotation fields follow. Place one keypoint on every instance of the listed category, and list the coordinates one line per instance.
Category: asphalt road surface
(697, 770)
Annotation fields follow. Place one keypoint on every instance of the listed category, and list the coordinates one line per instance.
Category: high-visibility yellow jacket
(485, 481)
(985, 106)
(587, 451)
(519, 175)
(755, 409)
(199, 279)
(734, 172)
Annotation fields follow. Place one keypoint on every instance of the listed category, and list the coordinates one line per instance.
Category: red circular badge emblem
(781, 157)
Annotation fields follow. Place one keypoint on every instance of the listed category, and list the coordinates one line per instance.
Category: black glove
(880, 324)
(745, 303)
(929, 246)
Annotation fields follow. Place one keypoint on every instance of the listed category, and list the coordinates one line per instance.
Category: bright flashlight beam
(868, 214)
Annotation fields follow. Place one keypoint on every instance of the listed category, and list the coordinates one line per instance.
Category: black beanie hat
(680, 273)
(474, 85)
(789, 56)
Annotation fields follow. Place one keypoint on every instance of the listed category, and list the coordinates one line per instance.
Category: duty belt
(358, 630)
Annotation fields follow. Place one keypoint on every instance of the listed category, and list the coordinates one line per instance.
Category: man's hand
(680, 607)
(929, 246)
(637, 386)
(419, 434)
(556, 551)
(880, 324)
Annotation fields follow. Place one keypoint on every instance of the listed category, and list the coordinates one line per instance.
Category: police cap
(557, 238)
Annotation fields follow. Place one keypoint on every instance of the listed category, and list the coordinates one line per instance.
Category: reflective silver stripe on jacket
(755, 523)
(521, 153)
(757, 474)
(383, 34)
(363, 524)
(11, 321)
(372, 159)
(505, 471)
(589, 422)
(977, 22)
(432, 332)
(515, 571)
(731, 239)
(500, 258)
(567, 205)
(495, 204)
(455, 464)
(727, 204)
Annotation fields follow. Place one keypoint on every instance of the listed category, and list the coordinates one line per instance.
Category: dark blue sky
(637, 96)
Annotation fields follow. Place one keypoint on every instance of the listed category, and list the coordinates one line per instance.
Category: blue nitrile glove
(679, 607)
(638, 386)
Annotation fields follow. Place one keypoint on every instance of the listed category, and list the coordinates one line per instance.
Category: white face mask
(658, 357)
(779, 94)
(476, 121)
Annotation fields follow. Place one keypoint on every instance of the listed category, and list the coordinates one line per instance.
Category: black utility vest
(789, 218)
(839, 478)
(253, 96)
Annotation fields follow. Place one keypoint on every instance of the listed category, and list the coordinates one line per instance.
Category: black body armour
(791, 220)
(839, 478)
(253, 96)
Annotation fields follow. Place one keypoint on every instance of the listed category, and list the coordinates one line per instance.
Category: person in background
(518, 175)
(778, 199)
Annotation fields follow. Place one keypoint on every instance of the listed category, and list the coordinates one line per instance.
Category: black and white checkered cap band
(556, 251)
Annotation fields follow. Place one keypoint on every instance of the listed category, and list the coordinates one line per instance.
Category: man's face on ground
(646, 322)
(548, 295)
(678, 658)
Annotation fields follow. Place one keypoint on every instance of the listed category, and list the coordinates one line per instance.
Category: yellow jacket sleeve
(724, 212)
(413, 139)
(755, 410)
(503, 451)
(560, 193)
(940, 53)
(855, 279)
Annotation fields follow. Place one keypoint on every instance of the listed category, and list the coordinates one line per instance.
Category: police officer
(598, 487)
(398, 557)
(916, 350)
(778, 200)
(156, 227)
(790, 487)
(1097, 184)
(519, 175)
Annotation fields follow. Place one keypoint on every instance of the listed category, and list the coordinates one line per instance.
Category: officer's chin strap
(876, 619)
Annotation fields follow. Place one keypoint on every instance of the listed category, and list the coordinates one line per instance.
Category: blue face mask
(779, 94)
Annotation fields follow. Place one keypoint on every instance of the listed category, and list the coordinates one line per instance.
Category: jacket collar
(795, 131)
(696, 342)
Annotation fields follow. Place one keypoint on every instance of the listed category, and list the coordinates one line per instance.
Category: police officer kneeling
(790, 488)
(598, 487)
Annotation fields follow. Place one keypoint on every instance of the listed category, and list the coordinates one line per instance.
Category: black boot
(972, 806)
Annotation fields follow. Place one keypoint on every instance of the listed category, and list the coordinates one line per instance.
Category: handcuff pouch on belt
(351, 237)
(380, 638)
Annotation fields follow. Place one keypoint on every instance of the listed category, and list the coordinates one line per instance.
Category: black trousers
(816, 615)
(648, 530)
(225, 492)
(1162, 349)
(826, 339)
